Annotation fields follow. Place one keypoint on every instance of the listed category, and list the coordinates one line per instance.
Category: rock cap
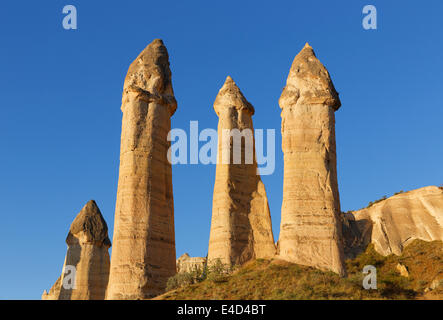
(309, 82)
(230, 96)
(89, 227)
(149, 76)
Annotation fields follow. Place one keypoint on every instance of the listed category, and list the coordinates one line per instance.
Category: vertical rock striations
(310, 232)
(87, 259)
(143, 256)
(185, 263)
(393, 223)
(241, 227)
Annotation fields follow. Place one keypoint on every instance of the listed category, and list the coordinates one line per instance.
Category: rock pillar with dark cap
(86, 268)
(310, 232)
(143, 255)
(241, 227)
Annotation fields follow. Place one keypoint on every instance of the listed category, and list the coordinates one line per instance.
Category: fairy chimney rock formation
(143, 256)
(86, 268)
(241, 227)
(310, 231)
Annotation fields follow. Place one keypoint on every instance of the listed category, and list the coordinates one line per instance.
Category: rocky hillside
(391, 224)
(416, 274)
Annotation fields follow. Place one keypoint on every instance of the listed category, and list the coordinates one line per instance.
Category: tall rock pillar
(143, 256)
(241, 227)
(310, 231)
(86, 268)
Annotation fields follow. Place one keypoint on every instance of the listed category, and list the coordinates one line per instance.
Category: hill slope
(276, 279)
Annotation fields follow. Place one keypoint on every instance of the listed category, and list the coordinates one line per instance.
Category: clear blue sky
(61, 93)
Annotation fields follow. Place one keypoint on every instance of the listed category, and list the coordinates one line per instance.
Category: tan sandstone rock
(402, 269)
(241, 227)
(185, 263)
(436, 283)
(54, 292)
(395, 222)
(310, 231)
(143, 256)
(88, 245)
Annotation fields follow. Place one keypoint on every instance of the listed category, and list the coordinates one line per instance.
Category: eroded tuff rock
(310, 232)
(88, 245)
(185, 263)
(143, 256)
(395, 222)
(54, 292)
(241, 227)
(402, 269)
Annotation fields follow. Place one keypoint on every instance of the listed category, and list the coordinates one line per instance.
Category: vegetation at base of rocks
(276, 279)
(180, 280)
(217, 272)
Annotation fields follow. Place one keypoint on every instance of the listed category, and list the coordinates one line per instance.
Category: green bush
(184, 279)
(218, 271)
(179, 280)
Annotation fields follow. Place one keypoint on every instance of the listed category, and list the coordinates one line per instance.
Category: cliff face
(241, 227)
(185, 263)
(143, 256)
(395, 222)
(87, 259)
(310, 231)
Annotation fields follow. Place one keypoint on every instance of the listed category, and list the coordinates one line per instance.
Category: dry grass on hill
(276, 279)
